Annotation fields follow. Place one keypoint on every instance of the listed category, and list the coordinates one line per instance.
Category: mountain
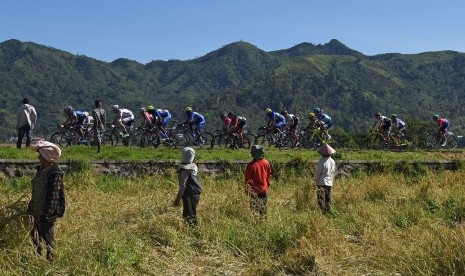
(240, 77)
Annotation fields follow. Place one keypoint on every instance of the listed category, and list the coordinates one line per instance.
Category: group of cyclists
(395, 127)
(391, 127)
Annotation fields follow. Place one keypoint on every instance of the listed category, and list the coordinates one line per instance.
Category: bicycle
(233, 140)
(314, 137)
(271, 136)
(433, 140)
(196, 138)
(377, 140)
(154, 137)
(116, 134)
(66, 136)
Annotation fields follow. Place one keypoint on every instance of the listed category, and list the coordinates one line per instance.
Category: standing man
(100, 119)
(26, 118)
(257, 181)
(324, 176)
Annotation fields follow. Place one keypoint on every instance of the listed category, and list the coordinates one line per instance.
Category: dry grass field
(389, 223)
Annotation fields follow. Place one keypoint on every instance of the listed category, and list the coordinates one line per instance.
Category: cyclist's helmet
(231, 114)
(188, 110)
(393, 117)
(311, 115)
(435, 117)
(68, 109)
(317, 110)
(222, 115)
(115, 107)
(377, 114)
(150, 108)
(284, 112)
(268, 110)
(142, 109)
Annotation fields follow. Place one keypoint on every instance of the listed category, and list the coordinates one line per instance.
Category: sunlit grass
(273, 154)
(381, 224)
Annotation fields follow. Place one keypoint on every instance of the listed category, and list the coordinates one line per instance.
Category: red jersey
(227, 122)
(257, 176)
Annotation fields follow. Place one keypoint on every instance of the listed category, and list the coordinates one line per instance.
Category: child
(189, 187)
(257, 180)
(324, 176)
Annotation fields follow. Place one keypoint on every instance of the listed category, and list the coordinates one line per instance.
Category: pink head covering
(49, 151)
(326, 150)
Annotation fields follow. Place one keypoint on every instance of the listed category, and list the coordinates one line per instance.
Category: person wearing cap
(48, 198)
(257, 180)
(324, 176)
(189, 187)
(26, 118)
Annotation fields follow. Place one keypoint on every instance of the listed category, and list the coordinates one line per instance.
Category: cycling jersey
(398, 123)
(443, 124)
(325, 120)
(164, 115)
(80, 115)
(239, 123)
(125, 115)
(196, 119)
(292, 121)
(278, 119)
(226, 123)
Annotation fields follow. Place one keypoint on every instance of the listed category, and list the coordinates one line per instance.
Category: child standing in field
(257, 180)
(189, 187)
(324, 176)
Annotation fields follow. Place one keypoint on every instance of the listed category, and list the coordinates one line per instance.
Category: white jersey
(125, 113)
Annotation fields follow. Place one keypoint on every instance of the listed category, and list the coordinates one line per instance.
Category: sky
(146, 30)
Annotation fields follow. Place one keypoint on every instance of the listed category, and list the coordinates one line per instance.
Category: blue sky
(145, 30)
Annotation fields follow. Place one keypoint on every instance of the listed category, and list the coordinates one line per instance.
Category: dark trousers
(323, 194)
(258, 204)
(26, 129)
(44, 230)
(189, 211)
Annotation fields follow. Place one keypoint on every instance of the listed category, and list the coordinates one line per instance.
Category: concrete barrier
(11, 168)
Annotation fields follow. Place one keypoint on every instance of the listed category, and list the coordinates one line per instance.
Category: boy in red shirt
(257, 179)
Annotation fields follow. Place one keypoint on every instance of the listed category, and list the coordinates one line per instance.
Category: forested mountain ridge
(240, 77)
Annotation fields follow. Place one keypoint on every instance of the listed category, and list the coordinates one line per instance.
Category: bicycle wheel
(285, 143)
(217, 141)
(264, 139)
(252, 138)
(310, 141)
(431, 141)
(60, 138)
(451, 142)
(245, 143)
(204, 139)
(106, 139)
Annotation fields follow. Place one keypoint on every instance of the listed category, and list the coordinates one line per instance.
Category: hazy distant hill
(240, 77)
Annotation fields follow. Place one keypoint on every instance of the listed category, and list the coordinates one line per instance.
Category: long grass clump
(381, 224)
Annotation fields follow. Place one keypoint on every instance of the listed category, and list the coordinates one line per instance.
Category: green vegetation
(283, 156)
(381, 224)
(348, 85)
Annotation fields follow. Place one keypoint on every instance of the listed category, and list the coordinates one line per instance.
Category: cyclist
(324, 121)
(398, 128)
(238, 124)
(226, 122)
(75, 118)
(382, 125)
(194, 118)
(443, 127)
(275, 120)
(124, 118)
(312, 123)
(161, 118)
(145, 117)
(292, 121)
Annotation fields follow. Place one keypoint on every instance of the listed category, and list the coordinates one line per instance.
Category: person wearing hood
(48, 197)
(257, 180)
(26, 118)
(189, 187)
(324, 176)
